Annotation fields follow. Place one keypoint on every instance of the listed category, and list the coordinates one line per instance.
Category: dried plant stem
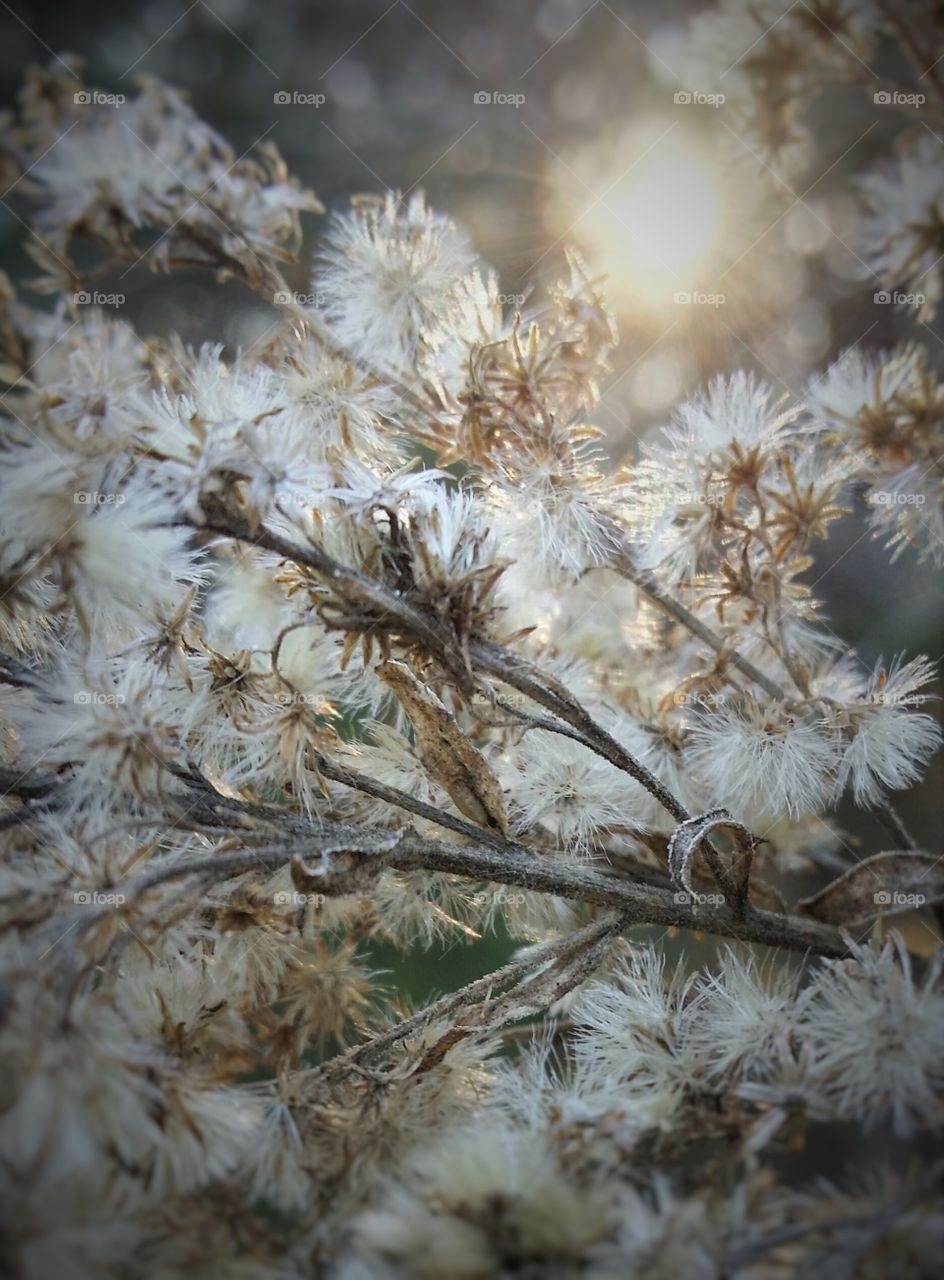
(644, 903)
(489, 657)
(486, 655)
(526, 678)
(647, 903)
(481, 989)
(380, 791)
(624, 564)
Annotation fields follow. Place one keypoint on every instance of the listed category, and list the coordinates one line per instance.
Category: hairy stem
(481, 989)
(644, 903)
(624, 564)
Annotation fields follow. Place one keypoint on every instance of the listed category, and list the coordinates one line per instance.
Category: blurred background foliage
(594, 151)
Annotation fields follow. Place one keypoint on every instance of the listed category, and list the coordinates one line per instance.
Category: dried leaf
(688, 835)
(446, 753)
(887, 883)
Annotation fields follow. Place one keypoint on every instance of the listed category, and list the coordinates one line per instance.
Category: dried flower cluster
(355, 637)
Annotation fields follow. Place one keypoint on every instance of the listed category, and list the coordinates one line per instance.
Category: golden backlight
(650, 223)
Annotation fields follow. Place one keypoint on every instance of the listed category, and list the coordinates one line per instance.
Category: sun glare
(654, 224)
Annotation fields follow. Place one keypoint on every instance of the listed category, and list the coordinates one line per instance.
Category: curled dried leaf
(350, 848)
(688, 836)
(447, 754)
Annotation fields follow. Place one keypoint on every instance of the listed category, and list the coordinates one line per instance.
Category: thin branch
(512, 668)
(561, 949)
(624, 564)
(380, 791)
(648, 904)
(644, 903)
(343, 578)
(30, 784)
(17, 673)
(890, 819)
(486, 655)
(522, 675)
